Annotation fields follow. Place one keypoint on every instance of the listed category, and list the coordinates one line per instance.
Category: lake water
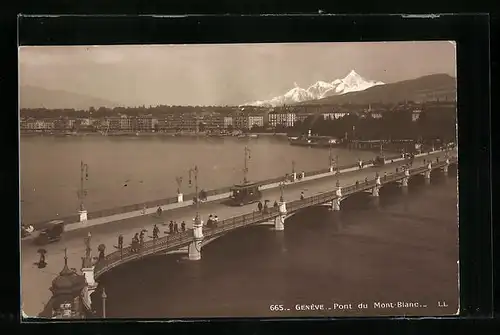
(129, 170)
(403, 250)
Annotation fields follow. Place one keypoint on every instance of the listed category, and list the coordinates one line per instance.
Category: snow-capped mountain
(353, 82)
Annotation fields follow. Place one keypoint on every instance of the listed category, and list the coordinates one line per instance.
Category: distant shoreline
(132, 134)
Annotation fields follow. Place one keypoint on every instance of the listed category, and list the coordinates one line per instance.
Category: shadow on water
(356, 254)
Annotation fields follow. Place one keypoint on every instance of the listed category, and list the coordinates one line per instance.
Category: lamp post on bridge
(245, 167)
(104, 297)
(82, 192)
(194, 172)
(180, 196)
(282, 190)
(331, 159)
(194, 248)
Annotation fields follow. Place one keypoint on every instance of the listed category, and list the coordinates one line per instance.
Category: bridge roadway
(36, 282)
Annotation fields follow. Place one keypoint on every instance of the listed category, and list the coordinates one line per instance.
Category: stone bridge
(192, 240)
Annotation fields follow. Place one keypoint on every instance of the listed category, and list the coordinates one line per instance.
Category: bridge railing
(178, 240)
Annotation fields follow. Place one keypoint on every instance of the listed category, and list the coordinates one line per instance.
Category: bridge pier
(376, 188)
(83, 215)
(427, 174)
(336, 204)
(336, 201)
(404, 182)
(406, 179)
(279, 221)
(445, 168)
(194, 249)
(180, 197)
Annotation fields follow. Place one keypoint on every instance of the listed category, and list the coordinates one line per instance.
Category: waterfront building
(124, 121)
(59, 124)
(31, 124)
(144, 123)
(23, 123)
(85, 122)
(214, 121)
(255, 121)
(69, 123)
(241, 121)
(335, 115)
(171, 122)
(187, 122)
(282, 119)
(43, 125)
(115, 123)
(161, 124)
(302, 115)
(228, 122)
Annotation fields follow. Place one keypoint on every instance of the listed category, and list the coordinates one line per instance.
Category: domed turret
(68, 284)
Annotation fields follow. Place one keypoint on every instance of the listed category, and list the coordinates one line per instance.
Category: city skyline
(222, 74)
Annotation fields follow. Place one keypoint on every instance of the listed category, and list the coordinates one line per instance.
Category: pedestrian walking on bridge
(159, 211)
(120, 242)
(156, 230)
(259, 206)
(171, 227)
(302, 195)
(135, 243)
(176, 228)
(141, 238)
(183, 226)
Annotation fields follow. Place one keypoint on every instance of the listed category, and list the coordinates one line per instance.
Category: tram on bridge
(245, 194)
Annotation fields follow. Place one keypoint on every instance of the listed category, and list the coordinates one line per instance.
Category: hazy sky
(222, 74)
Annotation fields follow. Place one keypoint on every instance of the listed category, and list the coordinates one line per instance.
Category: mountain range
(37, 97)
(351, 89)
(427, 88)
(353, 82)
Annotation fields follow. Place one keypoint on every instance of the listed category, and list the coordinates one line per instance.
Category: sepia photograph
(262, 180)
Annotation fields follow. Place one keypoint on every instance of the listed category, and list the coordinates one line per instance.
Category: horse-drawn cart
(52, 232)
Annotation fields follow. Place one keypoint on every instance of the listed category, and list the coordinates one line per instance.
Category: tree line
(157, 111)
(437, 123)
